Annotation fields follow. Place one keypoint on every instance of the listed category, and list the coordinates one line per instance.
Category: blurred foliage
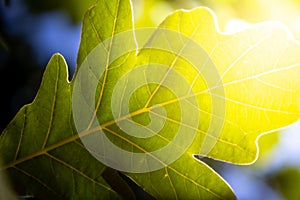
(7, 2)
(74, 8)
(287, 181)
(151, 12)
(3, 44)
(285, 11)
(20, 77)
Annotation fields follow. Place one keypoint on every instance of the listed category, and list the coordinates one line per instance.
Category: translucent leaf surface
(161, 95)
(259, 68)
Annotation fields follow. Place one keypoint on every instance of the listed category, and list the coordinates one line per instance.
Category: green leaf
(39, 148)
(286, 181)
(101, 23)
(174, 181)
(185, 84)
(259, 68)
(266, 145)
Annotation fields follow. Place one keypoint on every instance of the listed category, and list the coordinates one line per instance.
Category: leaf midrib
(170, 68)
(89, 131)
(84, 133)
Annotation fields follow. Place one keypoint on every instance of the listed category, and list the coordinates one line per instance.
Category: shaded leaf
(287, 182)
(113, 178)
(36, 150)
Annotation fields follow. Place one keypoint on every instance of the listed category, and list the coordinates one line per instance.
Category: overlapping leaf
(45, 158)
(259, 68)
(39, 148)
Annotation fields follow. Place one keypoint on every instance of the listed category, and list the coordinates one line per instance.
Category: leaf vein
(37, 180)
(52, 106)
(78, 171)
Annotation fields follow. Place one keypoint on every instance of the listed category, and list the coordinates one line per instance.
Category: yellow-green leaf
(145, 101)
(259, 68)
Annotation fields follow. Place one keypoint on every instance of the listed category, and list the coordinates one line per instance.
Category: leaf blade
(117, 70)
(246, 66)
(45, 169)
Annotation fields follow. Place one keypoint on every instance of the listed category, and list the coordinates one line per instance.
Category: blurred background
(31, 31)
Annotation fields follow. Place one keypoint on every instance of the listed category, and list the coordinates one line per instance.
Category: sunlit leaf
(266, 144)
(185, 86)
(177, 180)
(259, 68)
